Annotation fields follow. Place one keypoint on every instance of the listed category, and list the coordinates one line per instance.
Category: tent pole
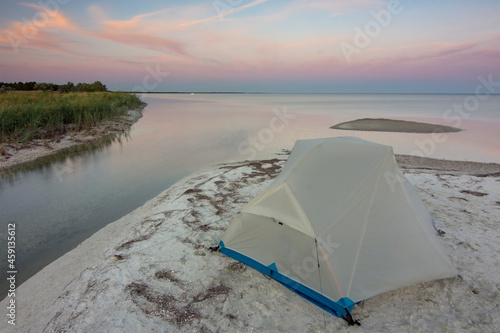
(320, 284)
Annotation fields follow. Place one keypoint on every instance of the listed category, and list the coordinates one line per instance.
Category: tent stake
(348, 318)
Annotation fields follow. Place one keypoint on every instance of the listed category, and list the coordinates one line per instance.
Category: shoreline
(39, 151)
(450, 167)
(159, 251)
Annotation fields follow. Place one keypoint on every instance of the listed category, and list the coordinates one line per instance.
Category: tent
(338, 225)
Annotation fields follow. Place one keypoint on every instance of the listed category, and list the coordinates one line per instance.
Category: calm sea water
(57, 206)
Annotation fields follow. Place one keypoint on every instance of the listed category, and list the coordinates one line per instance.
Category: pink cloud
(143, 41)
(135, 31)
(44, 35)
(438, 50)
(54, 18)
(21, 35)
(132, 23)
(440, 60)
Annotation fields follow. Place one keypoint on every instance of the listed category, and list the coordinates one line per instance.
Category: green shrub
(26, 115)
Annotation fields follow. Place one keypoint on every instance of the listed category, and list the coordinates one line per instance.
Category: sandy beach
(392, 125)
(152, 270)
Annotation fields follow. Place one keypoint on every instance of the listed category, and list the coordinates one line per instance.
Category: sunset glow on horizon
(319, 46)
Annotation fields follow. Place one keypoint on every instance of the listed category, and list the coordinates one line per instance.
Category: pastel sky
(277, 46)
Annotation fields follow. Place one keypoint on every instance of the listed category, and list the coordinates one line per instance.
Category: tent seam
(363, 232)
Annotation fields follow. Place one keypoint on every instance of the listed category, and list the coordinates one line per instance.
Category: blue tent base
(336, 308)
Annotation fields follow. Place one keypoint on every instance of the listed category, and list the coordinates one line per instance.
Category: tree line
(47, 86)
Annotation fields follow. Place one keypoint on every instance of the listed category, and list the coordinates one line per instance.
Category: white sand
(151, 271)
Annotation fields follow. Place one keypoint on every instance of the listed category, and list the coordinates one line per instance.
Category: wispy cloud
(333, 7)
(340, 5)
(226, 13)
(436, 50)
(143, 41)
(138, 31)
(135, 22)
(428, 60)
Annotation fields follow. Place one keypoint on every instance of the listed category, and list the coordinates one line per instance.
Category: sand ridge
(392, 125)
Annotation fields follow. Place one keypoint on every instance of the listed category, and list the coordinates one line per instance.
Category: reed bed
(27, 115)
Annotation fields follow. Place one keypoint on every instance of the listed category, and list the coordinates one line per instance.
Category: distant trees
(47, 86)
(66, 88)
(90, 87)
(18, 85)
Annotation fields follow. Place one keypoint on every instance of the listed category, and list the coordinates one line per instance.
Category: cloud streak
(224, 13)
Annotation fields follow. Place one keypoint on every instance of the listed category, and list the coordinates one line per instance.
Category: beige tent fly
(338, 225)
